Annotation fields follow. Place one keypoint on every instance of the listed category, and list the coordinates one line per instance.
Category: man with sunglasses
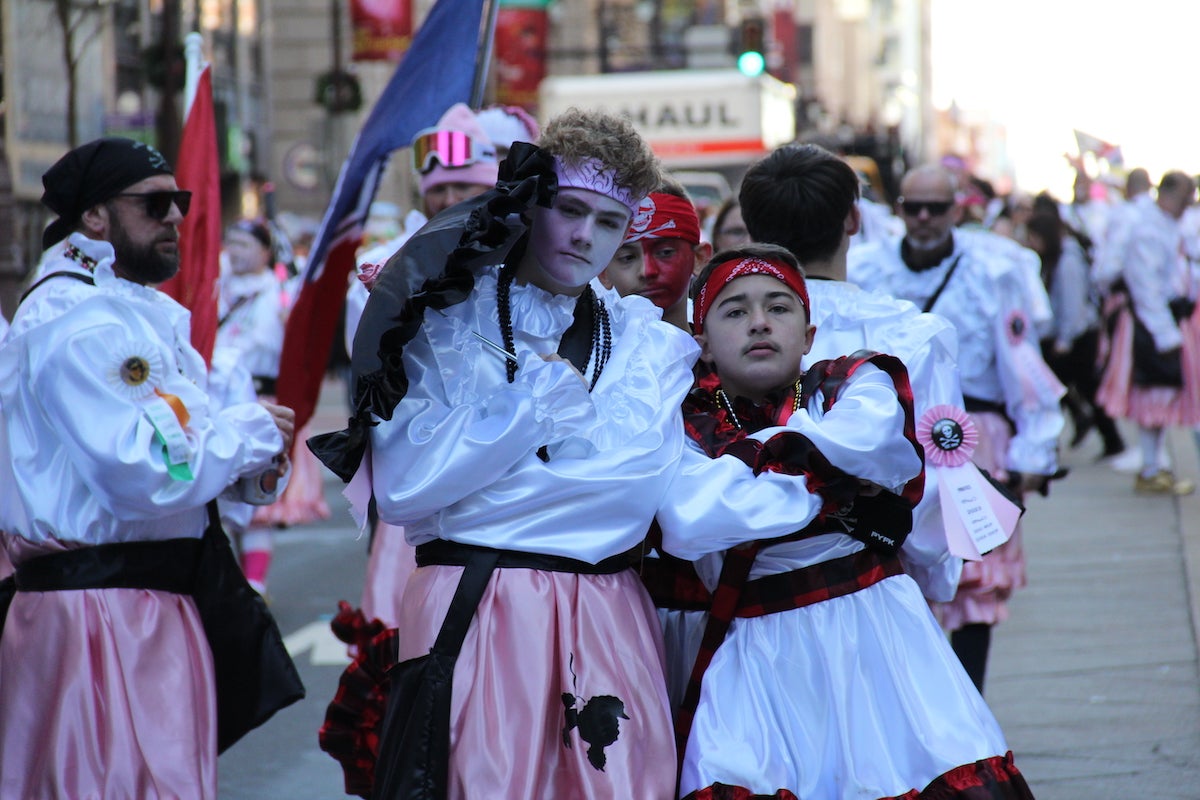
(1010, 394)
(112, 454)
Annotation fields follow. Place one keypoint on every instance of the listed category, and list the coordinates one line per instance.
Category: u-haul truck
(691, 118)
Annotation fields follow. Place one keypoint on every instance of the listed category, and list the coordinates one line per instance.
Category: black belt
(974, 405)
(168, 565)
(255, 676)
(454, 554)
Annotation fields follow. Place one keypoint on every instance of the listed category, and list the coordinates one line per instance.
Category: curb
(1187, 466)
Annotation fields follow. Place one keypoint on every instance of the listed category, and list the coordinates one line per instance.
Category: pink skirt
(106, 693)
(985, 586)
(389, 565)
(559, 690)
(1151, 406)
(304, 498)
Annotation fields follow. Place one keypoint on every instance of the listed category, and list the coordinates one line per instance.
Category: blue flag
(435, 73)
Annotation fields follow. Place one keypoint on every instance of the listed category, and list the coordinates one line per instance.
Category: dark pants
(971, 643)
(1078, 371)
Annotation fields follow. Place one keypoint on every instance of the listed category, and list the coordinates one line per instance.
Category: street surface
(1094, 677)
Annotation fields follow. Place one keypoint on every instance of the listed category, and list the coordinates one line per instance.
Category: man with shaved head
(1010, 393)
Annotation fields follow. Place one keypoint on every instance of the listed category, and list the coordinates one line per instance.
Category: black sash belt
(255, 675)
(447, 553)
(974, 405)
(167, 566)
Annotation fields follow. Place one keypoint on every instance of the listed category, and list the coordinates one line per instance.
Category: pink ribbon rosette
(977, 517)
(369, 274)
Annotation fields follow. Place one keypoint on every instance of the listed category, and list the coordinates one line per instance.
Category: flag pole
(194, 58)
(483, 53)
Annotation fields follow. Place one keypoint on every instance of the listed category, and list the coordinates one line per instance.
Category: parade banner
(382, 29)
(435, 73)
(520, 54)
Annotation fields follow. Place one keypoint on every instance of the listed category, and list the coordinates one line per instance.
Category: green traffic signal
(751, 63)
(750, 46)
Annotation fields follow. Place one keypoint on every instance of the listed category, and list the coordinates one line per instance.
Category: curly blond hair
(577, 135)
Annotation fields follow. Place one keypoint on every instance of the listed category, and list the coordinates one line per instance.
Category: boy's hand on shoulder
(556, 357)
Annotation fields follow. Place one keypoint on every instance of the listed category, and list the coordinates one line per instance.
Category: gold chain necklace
(723, 399)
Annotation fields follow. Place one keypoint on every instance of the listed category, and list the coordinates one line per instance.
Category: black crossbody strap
(241, 301)
(79, 276)
(937, 294)
(474, 580)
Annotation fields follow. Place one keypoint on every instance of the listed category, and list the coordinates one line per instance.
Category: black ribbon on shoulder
(436, 268)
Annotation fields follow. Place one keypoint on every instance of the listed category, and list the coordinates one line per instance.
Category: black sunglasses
(935, 208)
(158, 204)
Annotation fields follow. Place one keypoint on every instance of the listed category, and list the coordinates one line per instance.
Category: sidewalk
(1094, 678)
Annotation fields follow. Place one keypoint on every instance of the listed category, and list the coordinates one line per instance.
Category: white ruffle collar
(535, 311)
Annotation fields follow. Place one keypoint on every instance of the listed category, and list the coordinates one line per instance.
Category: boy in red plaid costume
(827, 675)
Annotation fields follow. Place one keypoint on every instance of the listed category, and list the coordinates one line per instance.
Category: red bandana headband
(729, 271)
(665, 216)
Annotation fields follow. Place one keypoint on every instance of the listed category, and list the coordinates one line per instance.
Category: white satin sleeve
(431, 454)
(597, 494)
(713, 504)
(229, 383)
(1031, 390)
(1149, 291)
(933, 373)
(863, 433)
(111, 441)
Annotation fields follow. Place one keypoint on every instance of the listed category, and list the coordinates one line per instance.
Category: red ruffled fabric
(995, 778)
(353, 720)
(721, 791)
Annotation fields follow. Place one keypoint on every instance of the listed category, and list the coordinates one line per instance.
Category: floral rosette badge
(977, 517)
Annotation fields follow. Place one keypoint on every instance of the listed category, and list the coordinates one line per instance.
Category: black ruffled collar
(436, 268)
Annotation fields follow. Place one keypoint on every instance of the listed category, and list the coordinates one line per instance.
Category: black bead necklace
(601, 328)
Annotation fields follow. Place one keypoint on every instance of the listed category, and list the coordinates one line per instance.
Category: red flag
(198, 170)
(311, 326)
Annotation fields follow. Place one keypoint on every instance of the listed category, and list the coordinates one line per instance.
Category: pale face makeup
(573, 240)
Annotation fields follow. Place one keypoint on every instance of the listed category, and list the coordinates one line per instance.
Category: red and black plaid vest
(714, 427)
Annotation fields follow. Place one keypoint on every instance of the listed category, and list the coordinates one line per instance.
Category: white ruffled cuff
(260, 438)
(560, 398)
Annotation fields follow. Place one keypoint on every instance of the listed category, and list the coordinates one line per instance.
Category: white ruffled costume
(990, 301)
(858, 696)
(848, 319)
(108, 693)
(458, 461)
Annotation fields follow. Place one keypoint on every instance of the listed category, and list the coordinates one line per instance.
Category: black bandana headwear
(91, 174)
(435, 268)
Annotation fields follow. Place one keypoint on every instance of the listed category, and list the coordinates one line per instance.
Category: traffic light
(751, 46)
